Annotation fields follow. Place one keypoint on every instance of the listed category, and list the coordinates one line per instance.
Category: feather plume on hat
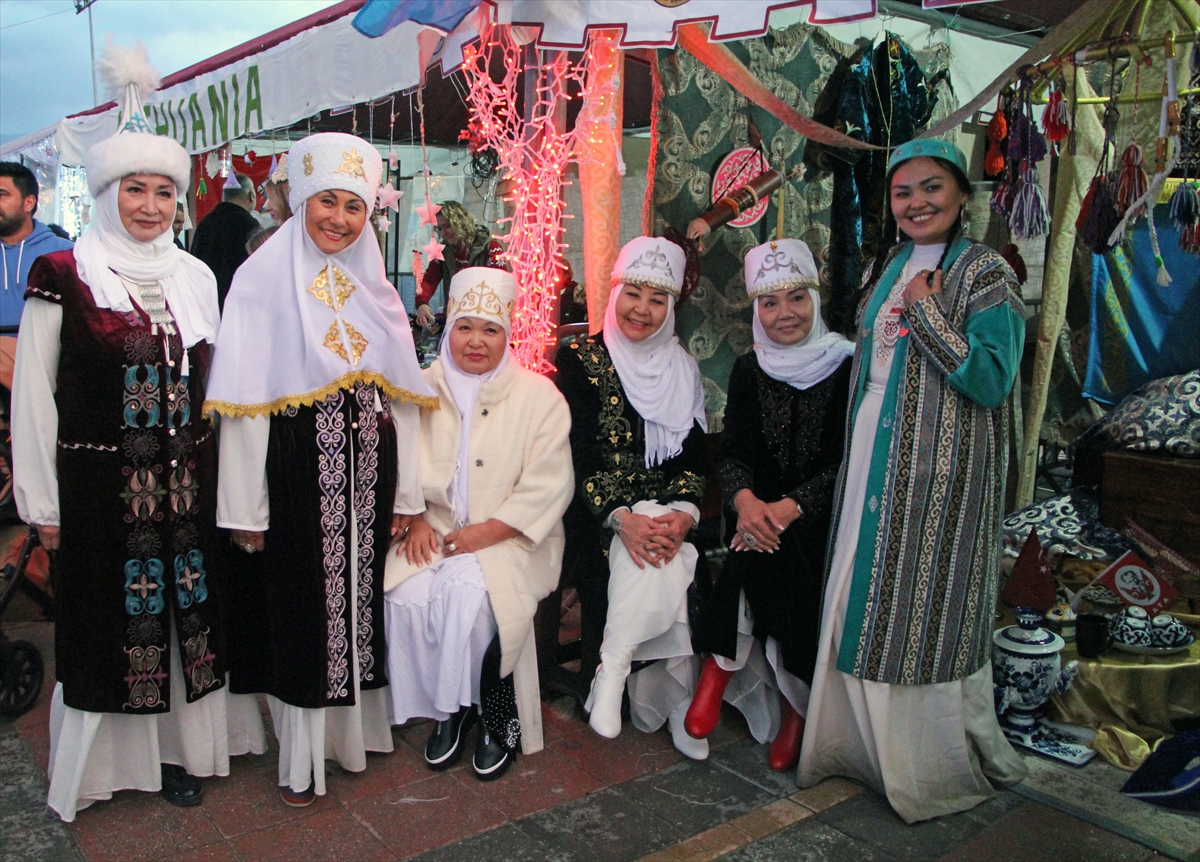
(135, 149)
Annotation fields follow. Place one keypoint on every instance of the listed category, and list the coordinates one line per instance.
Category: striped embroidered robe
(925, 573)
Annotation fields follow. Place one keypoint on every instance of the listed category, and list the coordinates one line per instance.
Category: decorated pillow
(1066, 525)
(1162, 416)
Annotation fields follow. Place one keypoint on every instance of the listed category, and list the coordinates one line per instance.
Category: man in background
(178, 223)
(220, 238)
(23, 239)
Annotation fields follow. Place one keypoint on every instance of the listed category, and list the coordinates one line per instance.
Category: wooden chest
(1160, 492)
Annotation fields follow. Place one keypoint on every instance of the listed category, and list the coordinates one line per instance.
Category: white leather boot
(689, 746)
(608, 687)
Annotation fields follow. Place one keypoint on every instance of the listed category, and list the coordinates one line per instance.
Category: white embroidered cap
(651, 261)
(782, 264)
(483, 292)
(333, 160)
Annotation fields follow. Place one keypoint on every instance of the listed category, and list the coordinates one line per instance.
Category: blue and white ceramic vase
(1026, 668)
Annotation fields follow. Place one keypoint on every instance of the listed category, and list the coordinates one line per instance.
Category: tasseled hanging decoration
(1102, 216)
(1056, 121)
(202, 187)
(418, 266)
(1131, 180)
(1189, 239)
(1185, 206)
(1030, 215)
(1012, 256)
(1002, 199)
(997, 131)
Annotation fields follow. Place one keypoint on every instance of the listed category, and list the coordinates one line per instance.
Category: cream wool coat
(521, 474)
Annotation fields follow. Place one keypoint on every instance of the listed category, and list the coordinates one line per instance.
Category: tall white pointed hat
(135, 148)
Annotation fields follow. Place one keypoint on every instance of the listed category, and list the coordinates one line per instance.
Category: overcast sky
(45, 64)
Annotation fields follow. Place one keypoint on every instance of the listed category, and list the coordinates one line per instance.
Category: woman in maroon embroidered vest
(116, 467)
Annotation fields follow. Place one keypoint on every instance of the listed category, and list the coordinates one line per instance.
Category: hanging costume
(637, 441)
(316, 381)
(497, 448)
(782, 438)
(911, 592)
(110, 444)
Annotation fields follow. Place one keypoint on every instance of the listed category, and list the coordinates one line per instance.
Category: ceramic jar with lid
(1026, 668)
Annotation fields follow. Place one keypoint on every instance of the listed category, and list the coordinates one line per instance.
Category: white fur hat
(333, 160)
(483, 292)
(782, 264)
(651, 261)
(134, 149)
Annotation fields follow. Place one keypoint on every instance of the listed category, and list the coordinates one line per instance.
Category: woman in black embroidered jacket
(637, 443)
(781, 447)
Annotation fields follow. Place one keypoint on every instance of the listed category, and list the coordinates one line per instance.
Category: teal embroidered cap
(930, 148)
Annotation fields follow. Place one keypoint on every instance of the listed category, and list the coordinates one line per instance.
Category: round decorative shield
(734, 171)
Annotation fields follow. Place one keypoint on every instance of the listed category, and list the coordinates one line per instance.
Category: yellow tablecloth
(1130, 700)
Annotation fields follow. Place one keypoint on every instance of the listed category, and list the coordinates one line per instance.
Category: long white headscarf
(661, 380)
(464, 387)
(300, 324)
(807, 362)
(106, 249)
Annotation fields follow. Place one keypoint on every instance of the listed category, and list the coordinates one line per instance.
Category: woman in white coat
(466, 578)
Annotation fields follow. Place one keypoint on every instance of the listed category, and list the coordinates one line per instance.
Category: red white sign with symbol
(735, 170)
(1133, 582)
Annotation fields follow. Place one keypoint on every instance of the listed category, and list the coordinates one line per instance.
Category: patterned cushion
(1066, 525)
(1162, 416)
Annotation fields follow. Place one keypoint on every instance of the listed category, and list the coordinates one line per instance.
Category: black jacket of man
(220, 242)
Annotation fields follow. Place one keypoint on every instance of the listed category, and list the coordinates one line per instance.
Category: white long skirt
(929, 748)
(439, 624)
(759, 678)
(95, 754)
(647, 608)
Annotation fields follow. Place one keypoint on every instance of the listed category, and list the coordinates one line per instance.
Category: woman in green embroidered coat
(902, 694)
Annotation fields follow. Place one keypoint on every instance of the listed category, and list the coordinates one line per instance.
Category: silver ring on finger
(248, 548)
(452, 547)
(749, 541)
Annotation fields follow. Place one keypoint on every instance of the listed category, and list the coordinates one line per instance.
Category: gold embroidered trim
(333, 341)
(480, 299)
(358, 342)
(785, 284)
(308, 164)
(663, 284)
(352, 164)
(343, 287)
(346, 381)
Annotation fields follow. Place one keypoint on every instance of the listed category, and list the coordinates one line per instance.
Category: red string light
(533, 157)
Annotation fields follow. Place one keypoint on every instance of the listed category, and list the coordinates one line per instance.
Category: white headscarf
(300, 324)
(106, 249)
(661, 380)
(807, 362)
(489, 295)
(464, 387)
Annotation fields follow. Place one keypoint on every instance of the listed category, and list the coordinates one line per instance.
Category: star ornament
(383, 223)
(390, 197)
(428, 212)
(433, 250)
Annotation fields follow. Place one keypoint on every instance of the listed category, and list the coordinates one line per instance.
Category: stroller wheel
(20, 677)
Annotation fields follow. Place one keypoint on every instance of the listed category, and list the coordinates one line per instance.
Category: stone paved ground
(583, 798)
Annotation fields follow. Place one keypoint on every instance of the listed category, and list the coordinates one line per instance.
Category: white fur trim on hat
(651, 261)
(782, 264)
(483, 292)
(128, 153)
(333, 160)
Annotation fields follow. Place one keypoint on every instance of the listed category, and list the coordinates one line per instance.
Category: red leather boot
(705, 711)
(785, 750)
